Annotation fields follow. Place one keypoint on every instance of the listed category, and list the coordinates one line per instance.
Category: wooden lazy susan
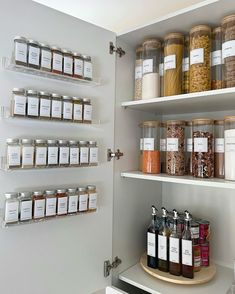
(205, 275)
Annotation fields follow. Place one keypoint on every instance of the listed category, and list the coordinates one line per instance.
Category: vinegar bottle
(152, 238)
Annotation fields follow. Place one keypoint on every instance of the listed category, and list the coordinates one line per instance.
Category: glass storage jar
(20, 51)
(63, 153)
(39, 204)
(92, 197)
(163, 147)
(45, 105)
(87, 111)
(229, 137)
(19, 102)
(33, 54)
(151, 150)
(84, 152)
(161, 71)
(32, 103)
(87, 70)
(72, 201)
(25, 206)
(62, 202)
(200, 50)
(189, 148)
(219, 149)
(228, 50)
(83, 199)
(151, 61)
(175, 148)
(40, 153)
(203, 148)
(185, 66)
(93, 153)
(27, 151)
(56, 106)
(138, 72)
(67, 108)
(11, 211)
(77, 110)
(52, 153)
(173, 52)
(78, 65)
(141, 147)
(73, 153)
(57, 60)
(67, 62)
(216, 59)
(46, 57)
(13, 154)
(51, 201)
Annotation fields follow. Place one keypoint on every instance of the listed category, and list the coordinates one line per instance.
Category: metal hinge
(111, 154)
(108, 266)
(118, 50)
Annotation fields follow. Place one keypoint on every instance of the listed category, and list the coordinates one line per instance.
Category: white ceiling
(118, 15)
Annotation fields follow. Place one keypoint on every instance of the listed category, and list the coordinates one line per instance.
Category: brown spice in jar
(216, 84)
(151, 162)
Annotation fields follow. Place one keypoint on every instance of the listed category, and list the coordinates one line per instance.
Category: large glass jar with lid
(185, 67)
(51, 203)
(163, 146)
(20, 51)
(63, 153)
(67, 62)
(52, 153)
(84, 152)
(151, 61)
(46, 57)
(27, 151)
(92, 197)
(19, 102)
(62, 202)
(40, 153)
(57, 60)
(25, 206)
(216, 59)
(72, 200)
(87, 70)
(83, 199)
(56, 106)
(141, 147)
(138, 72)
(77, 110)
(229, 137)
(189, 148)
(33, 54)
(13, 153)
(87, 111)
(45, 105)
(161, 70)
(78, 65)
(219, 148)
(67, 108)
(73, 153)
(11, 211)
(32, 103)
(39, 204)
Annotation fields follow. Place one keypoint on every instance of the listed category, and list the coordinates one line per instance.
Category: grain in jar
(67, 62)
(32, 103)
(219, 149)
(163, 147)
(62, 202)
(63, 153)
(200, 50)
(93, 153)
(151, 77)
(45, 105)
(46, 57)
(52, 153)
(25, 206)
(138, 73)
(39, 204)
(57, 60)
(11, 210)
(33, 54)
(78, 62)
(27, 151)
(87, 111)
(56, 106)
(40, 153)
(73, 153)
(229, 136)
(173, 56)
(13, 153)
(83, 199)
(189, 148)
(67, 108)
(51, 201)
(92, 197)
(77, 110)
(185, 66)
(19, 102)
(72, 200)
(216, 59)
(20, 51)
(175, 147)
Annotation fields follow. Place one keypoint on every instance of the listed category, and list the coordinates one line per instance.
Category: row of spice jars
(25, 206)
(47, 106)
(202, 148)
(48, 58)
(40, 153)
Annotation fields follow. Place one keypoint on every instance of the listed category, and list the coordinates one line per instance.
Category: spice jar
(151, 61)
(56, 106)
(83, 199)
(216, 59)
(203, 148)
(13, 153)
(185, 66)
(25, 206)
(92, 198)
(151, 150)
(18, 102)
(57, 60)
(84, 152)
(141, 147)
(173, 52)
(161, 71)
(20, 51)
(67, 108)
(62, 202)
(175, 147)
(46, 57)
(38, 205)
(87, 71)
(163, 147)
(200, 48)
(67, 62)
(228, 50)
(51, 201)
(77, 110)
(32, 103)
(87, 111)
(73, 153)
(93, 153)
(78, 66)
(63, 153)
(45, 105)
(40, 153)
(219, 149)
(189, 148)
(138, 72)
(229, 137)
(27, 151)
(72, 201)
(52, 153)
(11, 213)
(33, 54)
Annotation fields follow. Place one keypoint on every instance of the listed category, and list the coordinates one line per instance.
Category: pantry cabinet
(68, 255)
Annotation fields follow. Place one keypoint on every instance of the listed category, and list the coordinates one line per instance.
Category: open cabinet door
(62, 255)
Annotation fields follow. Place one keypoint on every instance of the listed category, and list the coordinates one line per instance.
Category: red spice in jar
(205, 254)
(151, 162)
(204, 231)
(197, 258)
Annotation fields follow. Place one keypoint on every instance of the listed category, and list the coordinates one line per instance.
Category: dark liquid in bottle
(163, 265)
(187, 271)
(175, 268)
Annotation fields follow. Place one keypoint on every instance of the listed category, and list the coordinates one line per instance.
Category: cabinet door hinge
(110, 154)
(118, 50)
(108, 266)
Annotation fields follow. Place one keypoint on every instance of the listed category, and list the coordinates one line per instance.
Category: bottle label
(52, 155)
(149, 144)
(27, 155)
(33, 106)
(147, 66)
(162, 144)
(230, 144)
(74, 155)
(87, 112)
(200, 145)
(219, 145)
(228, 49)
(62, 205)
(41, 156)
(45, 107)
(93, 201)
(19, 105)
(172, 144)
(138, 72)
(34, 54)
(26, 210)
(187, 252)
(57, 62)
(83, 199)
(151, 242)
(46, 59)
(84, 154)
(73, 204)
(21, 52)
(56, 108)
(185, 64)
(14, 155)
(11, 211)
(39, 208)
(196, 56)
(77, 112)
(162, 247)
(216, 57)
(170, 62)
(50, 206)
(174, 250)
(195, 232)
(93, 155)
(87, 70)
(189, 145)
(78, 67)
(68, 65)
(67, 110)
(64, 155)
(161, 69)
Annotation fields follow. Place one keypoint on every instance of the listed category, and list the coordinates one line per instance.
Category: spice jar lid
(42, 93)
(151, 123)
(31, 92)
(61, 191)
(20, 38)
(228, 18)
(174, 36)
(11, 195)
(26, 141)
(55, 48)
(139, 49)
(25, 194)
(229, 117)
(86, 100)
(76, 54)
(73, 142)
(200, 28)
(217, 30)
(18, 90)
(45, 46)
(92, 142)
(91, 187)
(152, 42)
(77, 99)
(66, 51)
(66, 97)
(63, 142)
(82, 142)
(81, 189)
(33, 42)
(38, 193)
(12, 141)
(86, 57)
(51, 142)
(175, 122)
(219, 122)
(54, 95)
(188, 123)
(72, 190)
(203, 121)
(40, 141)
(50, 192)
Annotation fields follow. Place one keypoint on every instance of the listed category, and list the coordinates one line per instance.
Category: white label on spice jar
(11, 211)
(162, 247)
(138, 72)
(21, 52)
(187, 251)
(68, 65)
(189, 145)
(148, 144)
(87, 112)
(170, 62)
(172, 144)
(73, 204)
(196, 56)
(74, 155)
(141, 144)
(161, 69)
(216, 57)
(93, 155)
(27, 155)
(228, 49)
(230, 144)
(64, 155)
(45, 107)
(147, 66)
(185, 64)
(195, 232)
(46, 59)
(162, 144)
(174, 250)
(92, 201)
(50, 206)
(151, 244)
(52, 155)
(34, 54)
(219, 145)
(200, 145)
(19, 105)
(41, 156)
(84, 154)
(13, 153)
(83, 199)
(39, 208)
(56, 108)
(77, 112)
(78, 67)
(26, 210)
(62, 205)
(67, 110)
(87, 70)
(57, 62)
(33, 106)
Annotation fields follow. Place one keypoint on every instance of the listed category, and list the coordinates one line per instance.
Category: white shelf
(138, 278)
(187, 180)
(214, 100)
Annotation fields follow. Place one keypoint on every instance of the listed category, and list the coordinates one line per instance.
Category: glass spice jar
(39, 203)
(57, 60)
(32, 103)
(185, 66)
(40, 153)
(11, 210)
(163, 147)
(203, 148)
(51, 201)
(93, 153)
(63, 153)
(27, 151)
(138, 72)
(67, 62)
(33, 54)
(20, 51)
(52, 153)
(62, 202)
(56, 106)
(219, 149)
(92, 197)
(84, 152)
(25, 206)
(189, 148)
(175, 147)
(67, 108)
(78, 65)
(87, 111)
(46, 57)
(200, 49)
(45, 105)
(72, 201)
(83, 199)
(18, 102)
(229, 137)
(87, 70)
(13, 154)
(73, 153)
(77, 110)
(216, 59)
